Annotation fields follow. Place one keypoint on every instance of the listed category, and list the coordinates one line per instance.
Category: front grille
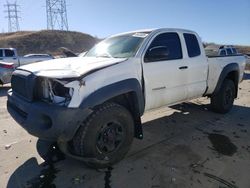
(17, 110)
(22, 84)
(19, 85)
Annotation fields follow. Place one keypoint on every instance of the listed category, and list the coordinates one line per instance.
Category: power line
(57, 15)
(12, 10)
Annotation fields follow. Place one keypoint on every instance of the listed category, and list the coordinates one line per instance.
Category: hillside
(241, 49)
(46, 41)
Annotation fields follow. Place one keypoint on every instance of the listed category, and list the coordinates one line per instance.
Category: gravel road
(184, 146)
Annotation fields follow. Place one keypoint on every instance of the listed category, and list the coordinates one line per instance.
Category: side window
(166, 46)
(229, 52)
(234, 51)
(9, 53)
(1, 53)
(192, 44)
(223, 52)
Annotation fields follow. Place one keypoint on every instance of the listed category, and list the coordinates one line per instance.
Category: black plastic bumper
(46, 121)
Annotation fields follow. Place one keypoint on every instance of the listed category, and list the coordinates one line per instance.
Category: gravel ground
(184, 146)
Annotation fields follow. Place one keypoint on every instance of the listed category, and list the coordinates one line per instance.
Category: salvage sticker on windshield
(142, 35)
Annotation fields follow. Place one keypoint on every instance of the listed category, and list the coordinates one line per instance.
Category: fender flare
(224, 73)
(115, 89)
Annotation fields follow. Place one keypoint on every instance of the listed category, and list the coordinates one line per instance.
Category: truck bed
(216, 65)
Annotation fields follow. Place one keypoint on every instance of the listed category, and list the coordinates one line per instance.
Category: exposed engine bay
(54, 91)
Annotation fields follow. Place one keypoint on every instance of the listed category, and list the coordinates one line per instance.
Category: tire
(223, 101)
(105, 135)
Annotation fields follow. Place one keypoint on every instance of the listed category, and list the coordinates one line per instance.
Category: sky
(219, 21)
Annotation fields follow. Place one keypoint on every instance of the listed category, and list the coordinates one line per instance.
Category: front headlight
(54, 91)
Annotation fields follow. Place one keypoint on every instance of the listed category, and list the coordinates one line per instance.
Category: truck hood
(69, 67)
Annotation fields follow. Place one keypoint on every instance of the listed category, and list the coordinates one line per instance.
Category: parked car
(39, 56)
(92, 105)
(10, 55)
(6, 70)
(227, 50)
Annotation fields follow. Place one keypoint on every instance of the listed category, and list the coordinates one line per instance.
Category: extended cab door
(197, 66)
(164, 71)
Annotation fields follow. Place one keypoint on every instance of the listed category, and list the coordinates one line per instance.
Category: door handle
(183, 67)
(159, 88)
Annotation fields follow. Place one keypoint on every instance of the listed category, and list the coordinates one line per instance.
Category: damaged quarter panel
(106, 76)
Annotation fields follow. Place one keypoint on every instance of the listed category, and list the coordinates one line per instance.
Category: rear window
(1, 53)
(229, 51)
(192, 44)
(234, 51)
(9, 53)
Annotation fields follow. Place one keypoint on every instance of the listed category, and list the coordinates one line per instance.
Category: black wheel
(106, 135)
(223, 101)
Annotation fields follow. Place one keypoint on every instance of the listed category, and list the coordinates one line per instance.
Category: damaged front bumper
(46, 121)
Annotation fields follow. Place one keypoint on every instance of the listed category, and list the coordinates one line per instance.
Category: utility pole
(57, 15)
(12, 16)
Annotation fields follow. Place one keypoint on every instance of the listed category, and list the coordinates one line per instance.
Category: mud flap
(138, 131)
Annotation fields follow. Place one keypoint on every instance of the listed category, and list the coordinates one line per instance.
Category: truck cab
(175, 68)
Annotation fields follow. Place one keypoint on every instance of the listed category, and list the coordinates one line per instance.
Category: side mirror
(157, 53)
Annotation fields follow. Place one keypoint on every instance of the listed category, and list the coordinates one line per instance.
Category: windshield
(123, 46)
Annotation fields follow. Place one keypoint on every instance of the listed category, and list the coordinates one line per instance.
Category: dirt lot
(183, 146)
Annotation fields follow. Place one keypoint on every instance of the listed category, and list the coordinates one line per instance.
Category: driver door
(164, 71)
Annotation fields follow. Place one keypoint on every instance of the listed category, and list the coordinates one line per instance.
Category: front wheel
(223, 101)
(106, 135)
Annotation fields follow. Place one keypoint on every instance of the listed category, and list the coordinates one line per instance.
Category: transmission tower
(57, 15)
(12, 15)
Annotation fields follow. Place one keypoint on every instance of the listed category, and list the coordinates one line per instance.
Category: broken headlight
(54, 91)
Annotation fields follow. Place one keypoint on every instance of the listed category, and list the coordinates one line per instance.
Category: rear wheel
(106, 135)
(223, 101)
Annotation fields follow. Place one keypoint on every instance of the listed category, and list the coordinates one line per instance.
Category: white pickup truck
(9, 55)
(92, 105)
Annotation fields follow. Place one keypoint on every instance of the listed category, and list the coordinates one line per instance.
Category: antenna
(57, 15)
(12, 15)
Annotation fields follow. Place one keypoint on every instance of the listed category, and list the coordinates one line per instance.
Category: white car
(10, 55)
(92, 105)
(39, 56)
